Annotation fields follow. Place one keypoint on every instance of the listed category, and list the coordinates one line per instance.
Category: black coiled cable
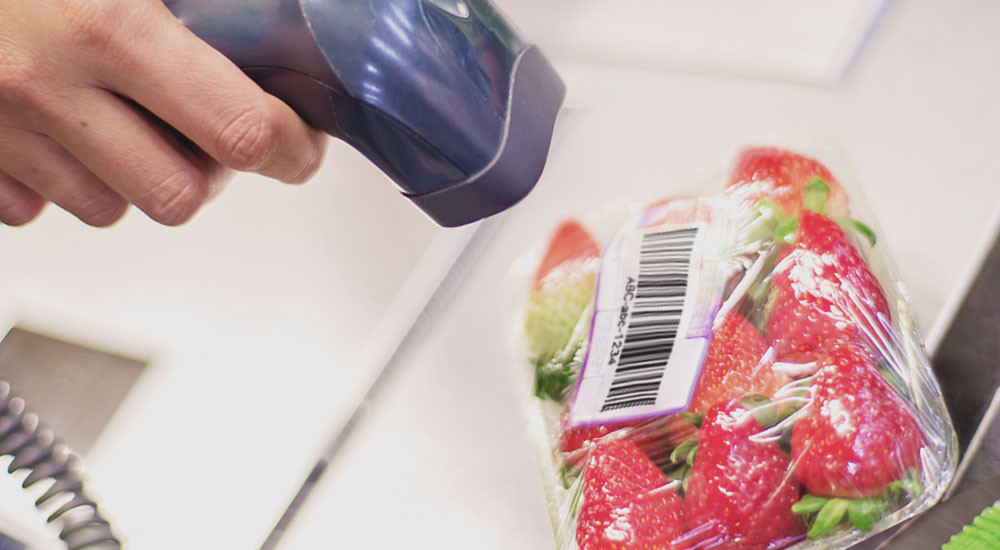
(35, 448)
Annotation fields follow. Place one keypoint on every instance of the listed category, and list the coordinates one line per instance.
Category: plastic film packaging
(738, 369)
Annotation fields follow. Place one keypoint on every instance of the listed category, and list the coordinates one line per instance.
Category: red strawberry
(741, 492)
(681, 210)
(780, 175)
(654, 436)
(570, 244)
(822, 290)
(735, 364)
(857, 434)
(574, 439)
(627, 503)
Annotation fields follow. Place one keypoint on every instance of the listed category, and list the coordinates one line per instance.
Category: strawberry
(780, 175)
(736, 364)
(580, 437)
(563, 290)
(628, 502)
(822, 290)
(569, 246)
(856, 435)
(677, 211)
(655, 436)
(740, 493)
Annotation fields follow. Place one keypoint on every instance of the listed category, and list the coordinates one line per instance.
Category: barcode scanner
(444, 96)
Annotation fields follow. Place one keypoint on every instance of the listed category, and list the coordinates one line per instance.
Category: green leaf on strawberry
(856, 436)
(761, 408)
(555, 377)
(909, 485)
(574, 504)
(849, 224)
(814, 195)
(780, 176)
(828, 513)
(865, 513)
(829, 516)
(684, 452)
(809, 504)
(561, 296)
(695, 419)
(822, 290)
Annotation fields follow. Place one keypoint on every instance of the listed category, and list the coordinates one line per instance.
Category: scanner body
(444, 96)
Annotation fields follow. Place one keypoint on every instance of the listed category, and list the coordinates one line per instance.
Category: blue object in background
(7, 543)
(442, 95)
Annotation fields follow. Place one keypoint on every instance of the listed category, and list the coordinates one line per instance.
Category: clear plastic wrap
(739, 369)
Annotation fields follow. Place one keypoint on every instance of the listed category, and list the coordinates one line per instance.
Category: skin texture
(110, 103)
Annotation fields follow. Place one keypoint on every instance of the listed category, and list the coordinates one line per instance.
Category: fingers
(45, 168)
(108, 103)
(135, 156)
(196, 90)
(18, 204)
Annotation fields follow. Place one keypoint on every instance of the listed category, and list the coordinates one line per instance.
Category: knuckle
(90, 24)
(248, 140)
(19, 81)
(176, 198)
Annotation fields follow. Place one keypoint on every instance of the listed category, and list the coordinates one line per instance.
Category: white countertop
(446, 459)
(256, 315)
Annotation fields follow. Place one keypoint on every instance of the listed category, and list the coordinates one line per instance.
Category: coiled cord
(36, 449)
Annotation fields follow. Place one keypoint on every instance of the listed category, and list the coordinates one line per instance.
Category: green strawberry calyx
(574, 505)
(558, 366)
(770, 223)
(827, 513)
(693, 418)
(554, 377)
(682, 460)
(762, 409)
(849, 224)
(814, 195)
(685, 452)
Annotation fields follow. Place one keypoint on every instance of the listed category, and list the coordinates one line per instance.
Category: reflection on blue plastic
(420, 87)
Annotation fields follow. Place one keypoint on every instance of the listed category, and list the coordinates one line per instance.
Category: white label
(643, 358)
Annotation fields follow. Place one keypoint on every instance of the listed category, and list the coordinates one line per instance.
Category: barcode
(661, 286)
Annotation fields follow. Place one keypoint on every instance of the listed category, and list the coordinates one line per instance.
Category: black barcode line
(610, 406)
(644, 364)
(661, 286)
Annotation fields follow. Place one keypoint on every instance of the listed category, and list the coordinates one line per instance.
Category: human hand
(106, 103)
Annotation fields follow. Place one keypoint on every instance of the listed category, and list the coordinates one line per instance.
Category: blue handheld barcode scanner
(443, 96)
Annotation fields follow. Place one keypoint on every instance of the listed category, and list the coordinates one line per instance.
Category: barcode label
(641, 360)
(648, 339)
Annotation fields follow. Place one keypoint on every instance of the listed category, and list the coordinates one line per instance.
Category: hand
(104, 103)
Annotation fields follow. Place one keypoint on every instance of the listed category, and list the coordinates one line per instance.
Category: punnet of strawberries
(812, 417)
